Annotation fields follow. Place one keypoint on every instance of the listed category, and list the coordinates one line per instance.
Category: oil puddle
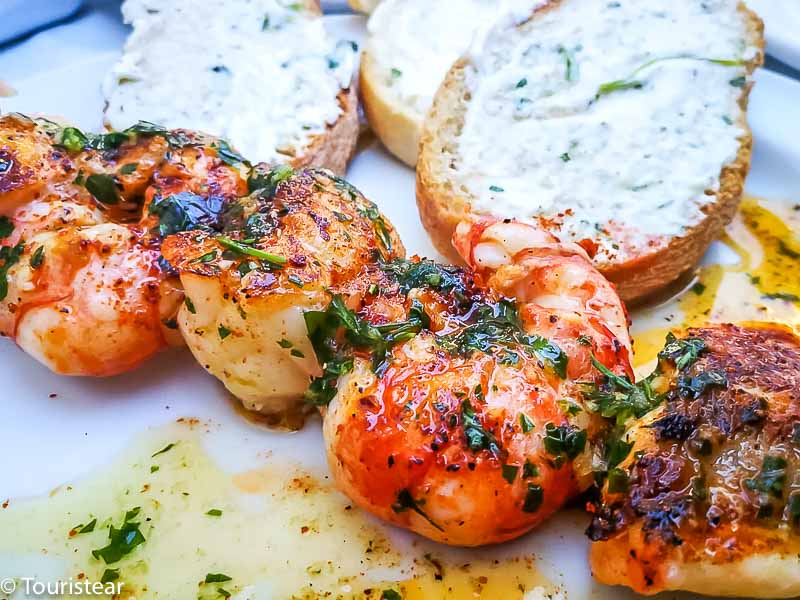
(165, 521)
(758, 280)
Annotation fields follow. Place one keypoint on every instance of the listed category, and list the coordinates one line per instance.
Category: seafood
(277, 253)
(455, 406)
(705, 492)
(82, 285)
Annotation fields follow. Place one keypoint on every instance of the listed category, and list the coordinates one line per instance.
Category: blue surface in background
(20, 17)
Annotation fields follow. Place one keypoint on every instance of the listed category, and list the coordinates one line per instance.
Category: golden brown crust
(712, 494)
(441, 206)
(396, 125)
(334, 148)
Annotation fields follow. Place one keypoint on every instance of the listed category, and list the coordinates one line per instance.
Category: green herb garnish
(533, 498)
(274, 260)
(122, 540)
(478, 438)
(103, 188)
(9, 255)
(165, 449)
(564, 439)
(37, 258)
(405, 501)
(493, 327)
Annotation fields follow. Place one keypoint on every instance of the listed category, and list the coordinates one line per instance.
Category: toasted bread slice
(263, 75)
(411, 46)
(705, 494)
(619, 125)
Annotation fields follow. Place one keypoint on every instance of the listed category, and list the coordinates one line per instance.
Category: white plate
(47, 441)
(781, 28)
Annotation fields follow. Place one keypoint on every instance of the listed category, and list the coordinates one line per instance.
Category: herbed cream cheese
(417, 41)
(261, 73)
(621, 113)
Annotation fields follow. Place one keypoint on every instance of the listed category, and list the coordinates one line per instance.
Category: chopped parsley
(284, 343)
(682, 352)
(214, 512)
(186, 211)
(9, 255)
(564, 439)
(217, 578)
(510, 473)
(189, 305)
(695, 386)
(6, 227)
(337, 331)
(632, 83)
(525, 422)
(223, 332)
(379, 224)
(122, 540)
(165, 449)
(426, 273)
(772, 478)
(618, 397)
(617, 481)
(405, 501)
(570, 64)
(37, 258)
(88, 528)
(498, 327)
(229, 156)
(478, 438)
(534, 497)
(390, 595)
(109, 575)
(273, 260)
(496, 188)
(267, 180)
(103, 188)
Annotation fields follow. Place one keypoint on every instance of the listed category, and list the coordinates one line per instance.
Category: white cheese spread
(417, 41)
(260, 73)
(611, 119)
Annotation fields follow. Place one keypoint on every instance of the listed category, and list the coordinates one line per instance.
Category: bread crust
(442, 206)
(397, 126)
(334, 148)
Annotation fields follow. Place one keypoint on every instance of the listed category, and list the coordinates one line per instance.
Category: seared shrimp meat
(277, 252)
(82, 285)
(454, 404)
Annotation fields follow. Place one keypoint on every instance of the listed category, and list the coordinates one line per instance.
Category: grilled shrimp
(456, 410)
(82, 286)
(705, 495)
(277, 253)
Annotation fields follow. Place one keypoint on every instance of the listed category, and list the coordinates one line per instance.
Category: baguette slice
(618, 125)
(704, 498)
(262, 74)
(411, 46)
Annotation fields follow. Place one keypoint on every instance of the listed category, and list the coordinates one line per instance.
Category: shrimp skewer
(84, 290)
(299, 236)
(471, 428)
